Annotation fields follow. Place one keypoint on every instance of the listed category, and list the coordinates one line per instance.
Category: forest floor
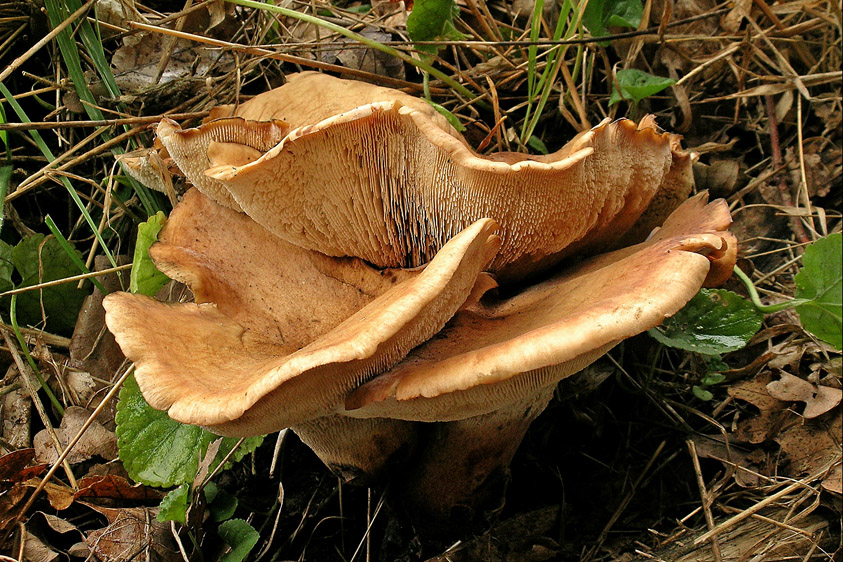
(676, 456)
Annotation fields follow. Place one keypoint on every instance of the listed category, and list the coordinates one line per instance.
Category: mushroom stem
(360, 451)
(464, 466)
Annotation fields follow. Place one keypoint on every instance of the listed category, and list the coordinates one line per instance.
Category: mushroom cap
(384, 183)
(310, 97)
(232, 139)
(498, 352)
(242, 365)
(375, 173)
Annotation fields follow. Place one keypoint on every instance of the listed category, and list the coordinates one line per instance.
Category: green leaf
(710, 379)
(174, 505)
(4, 135)
(537, 144)
(820, 281)
(159, 451)
(714, 321)
(7, 267)
(701, 393)
(39, 259)
(433, 20)
(145, 277)
(636, 85)
(240, 536)
(220, 503)
(599, 14)
(452, 119)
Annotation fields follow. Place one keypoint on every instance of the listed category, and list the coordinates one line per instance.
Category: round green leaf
(714, 321)
(820, 281)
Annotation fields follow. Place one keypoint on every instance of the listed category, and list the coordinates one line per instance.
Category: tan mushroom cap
(500, 352)
(386, 184)
(217, 366)
(310, 97)
(233, 139)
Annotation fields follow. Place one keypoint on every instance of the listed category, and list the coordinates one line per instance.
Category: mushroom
(495, 365)
(348, 299)
(278, 335)
(389, 182)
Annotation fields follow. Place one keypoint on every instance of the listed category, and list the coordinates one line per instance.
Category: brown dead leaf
(746, 464)
(367, 59)
(10, 499)
(34, 550)
(17, 414)
(771, 411)
(115, 487)
(818, 399)
(96, 441)
(132, 532)
(12, 464)
(813, 446)
(59, 495)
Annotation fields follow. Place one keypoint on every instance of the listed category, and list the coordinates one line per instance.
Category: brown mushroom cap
(500, 352)
(233, 139)
(375, 173)
(310, 97)
(383, 183)
(235, 365)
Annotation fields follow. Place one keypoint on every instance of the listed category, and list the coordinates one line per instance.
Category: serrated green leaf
(221, 504)
(240, 536)
(39, 259)
(715, 321)
(174, 505)
(159, 451)
(821, 281)
(636, 85)
(145, 277)
(433, 20)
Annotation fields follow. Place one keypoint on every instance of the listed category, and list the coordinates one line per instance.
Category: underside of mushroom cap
(233, 139)
(212, 365)
(274, 289)
(501, 351)
(384, 183)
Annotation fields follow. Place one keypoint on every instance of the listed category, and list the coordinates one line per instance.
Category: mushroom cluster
(361, 275)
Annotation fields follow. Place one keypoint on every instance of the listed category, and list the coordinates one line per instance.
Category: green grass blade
(45, 150)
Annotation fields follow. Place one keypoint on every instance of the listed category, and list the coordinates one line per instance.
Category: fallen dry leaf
(814, 446)
(96, 441)
(771, 411)
(132, 534)
(112, 486)
(818, 399)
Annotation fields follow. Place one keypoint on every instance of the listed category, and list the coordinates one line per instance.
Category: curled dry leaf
(95, 441)
(818, 399)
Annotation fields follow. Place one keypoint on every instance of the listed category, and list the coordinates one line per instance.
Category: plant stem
(765, 308)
